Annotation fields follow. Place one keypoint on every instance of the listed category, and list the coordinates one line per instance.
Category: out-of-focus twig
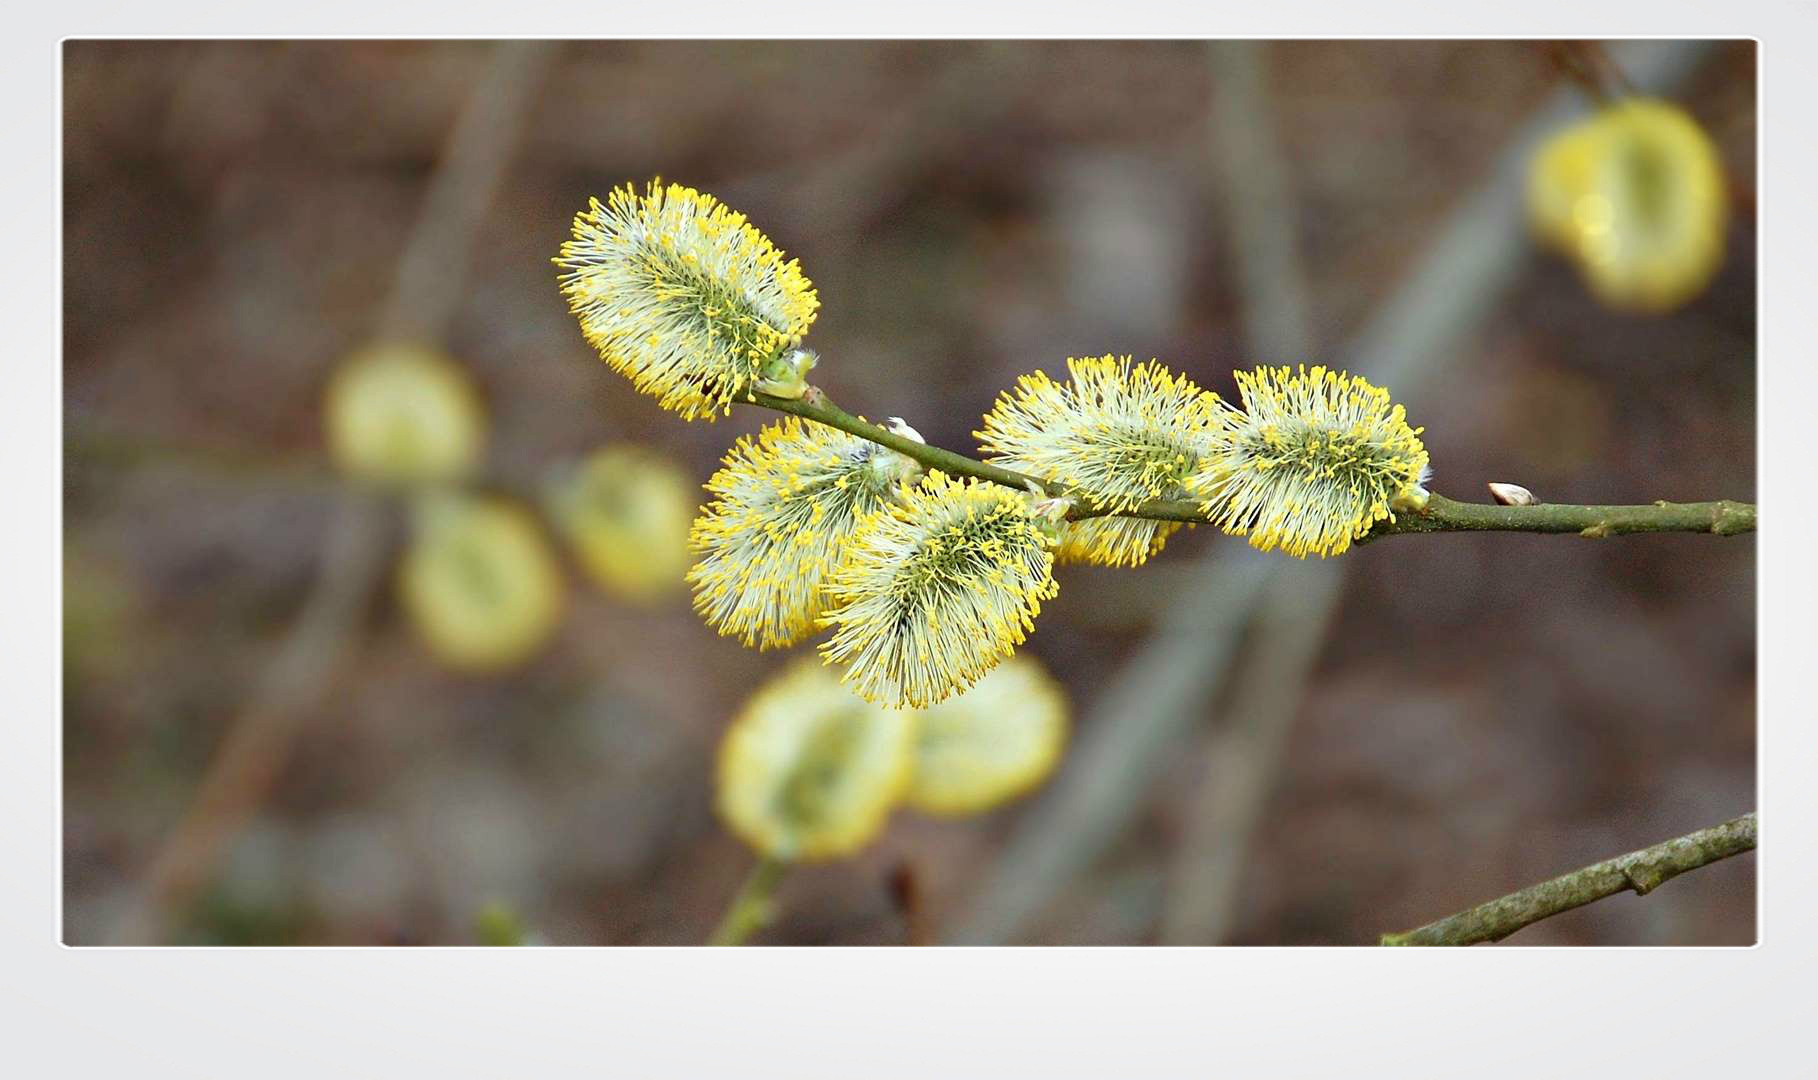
(259, 740)
(1105, 780)
(1589, 66)
(124, 451)
(753, 907)
(837, 191)
(1245, 758)
(1258, 195)
(434, 265)
(257, 743)
(1297, 606)
(1640, 872)
(252, 465)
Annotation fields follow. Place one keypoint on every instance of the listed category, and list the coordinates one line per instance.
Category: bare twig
(1589, 66)
(1640, 872)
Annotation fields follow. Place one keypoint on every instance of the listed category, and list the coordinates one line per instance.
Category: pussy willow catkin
(626, 512)
(1312, 461)
(687, 299)
(808, 771)
(994, 742)
(926, 586)
(936, 589)
(784, 510)
(1635, 195)
(402, 414)
(479, 581)
(1118, 435)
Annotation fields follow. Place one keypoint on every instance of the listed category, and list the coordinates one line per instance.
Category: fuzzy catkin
(1636, 196)
(1119, 435)
(785, 507)
(990, 744)
(684, 297)
(936, 589)
(1312, 461)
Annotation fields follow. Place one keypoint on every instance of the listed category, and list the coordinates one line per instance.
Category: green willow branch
(1722, 518)
(754, 906)
(1640, 871)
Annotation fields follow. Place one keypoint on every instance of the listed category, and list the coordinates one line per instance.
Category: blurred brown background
(1482, 713)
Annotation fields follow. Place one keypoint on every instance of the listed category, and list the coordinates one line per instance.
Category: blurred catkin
(1635, 196)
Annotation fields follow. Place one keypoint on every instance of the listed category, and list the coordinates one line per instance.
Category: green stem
(1640, 871)
(816, 406)
(1723, 518)
(752, 909)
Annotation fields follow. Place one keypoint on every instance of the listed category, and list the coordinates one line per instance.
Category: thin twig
(1586, 66)
(1640, 872)
(754, 906)
(1724, 517)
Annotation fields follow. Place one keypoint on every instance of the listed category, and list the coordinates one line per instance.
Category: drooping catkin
(936, 589)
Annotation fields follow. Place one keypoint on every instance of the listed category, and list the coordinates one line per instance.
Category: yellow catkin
(404, 414)
(1635, 195)
(625, 511)
(991, 744)
(684, 297)
(809, 771)
(784, 510)
(479, 582)
(1117, 434)
(1314, 459)
(936, 589)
